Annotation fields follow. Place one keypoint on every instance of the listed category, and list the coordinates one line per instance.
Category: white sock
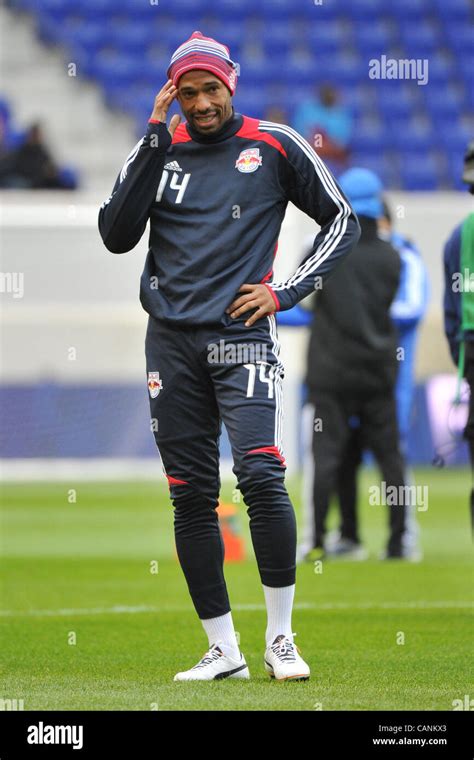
(279, 602)
(222, 629)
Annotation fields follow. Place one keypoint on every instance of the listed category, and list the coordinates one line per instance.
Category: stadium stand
(125, 48)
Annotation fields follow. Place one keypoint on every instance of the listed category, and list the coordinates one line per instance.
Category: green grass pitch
(82, 572)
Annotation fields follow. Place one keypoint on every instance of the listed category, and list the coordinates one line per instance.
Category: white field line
(97, 469)
(324, 607)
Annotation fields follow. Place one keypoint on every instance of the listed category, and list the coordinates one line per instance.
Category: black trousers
(378, 432)
(346, 487)
(199, 377)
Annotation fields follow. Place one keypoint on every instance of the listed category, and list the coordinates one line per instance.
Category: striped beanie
(201, 52)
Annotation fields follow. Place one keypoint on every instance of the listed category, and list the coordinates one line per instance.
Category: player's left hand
(256, 297)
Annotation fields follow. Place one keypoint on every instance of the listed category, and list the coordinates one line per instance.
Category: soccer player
(215, 190)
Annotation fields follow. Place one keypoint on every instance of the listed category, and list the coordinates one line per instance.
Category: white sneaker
(283, 661)
(214, 666)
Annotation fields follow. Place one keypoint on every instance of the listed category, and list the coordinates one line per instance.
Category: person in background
(458, 259)
(407, 311)
(326, 125)
(31, 166)
(352, 363)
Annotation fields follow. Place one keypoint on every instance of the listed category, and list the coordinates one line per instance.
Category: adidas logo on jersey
(173, 166)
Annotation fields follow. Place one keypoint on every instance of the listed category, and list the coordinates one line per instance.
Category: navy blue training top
(216, 204)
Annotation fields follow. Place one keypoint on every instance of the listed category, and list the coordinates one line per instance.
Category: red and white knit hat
(201, 52)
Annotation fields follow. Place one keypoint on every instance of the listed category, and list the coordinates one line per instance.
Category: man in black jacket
(352, 363)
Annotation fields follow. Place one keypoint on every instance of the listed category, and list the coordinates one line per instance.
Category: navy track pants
(199, 377)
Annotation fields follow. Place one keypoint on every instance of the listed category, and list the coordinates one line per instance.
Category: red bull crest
(249, 160)
(155, 384)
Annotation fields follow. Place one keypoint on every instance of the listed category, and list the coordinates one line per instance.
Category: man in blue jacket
(215, 190)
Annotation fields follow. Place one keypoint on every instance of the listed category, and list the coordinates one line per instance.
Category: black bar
(310, 733)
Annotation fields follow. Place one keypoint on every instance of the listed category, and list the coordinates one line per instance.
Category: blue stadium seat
(419, 171)
(411, 136)
(373, 39)
(369, 136)
(252, 101)
(455, 162)
(139, 100)
(112, 70)
(90, 37)
(394, 103)
(132, 38)
(440, 71)
(420, 39)
(99, 11)
(278, 31)
(456, 139)
(466, 66)
(344, 71)
(233, 10)
(410, 10)
(326, 39)
(366, 10)
(382, 164)
(458, 10)
(443, 103)
(460, 37)
(48, 28)
(299, 72)
(276, 49)
(56, 9)
(318, 13)
(137, 10)
(277, 9)
(469, 89)
(127, 45)
(256, 73)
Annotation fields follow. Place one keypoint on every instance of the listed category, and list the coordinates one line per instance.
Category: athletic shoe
(345, 548)
(214, 666)
(283, 662)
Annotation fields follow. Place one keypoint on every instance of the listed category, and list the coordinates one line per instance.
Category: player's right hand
(162, 102)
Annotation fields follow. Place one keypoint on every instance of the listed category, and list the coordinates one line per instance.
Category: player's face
(205, 101)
